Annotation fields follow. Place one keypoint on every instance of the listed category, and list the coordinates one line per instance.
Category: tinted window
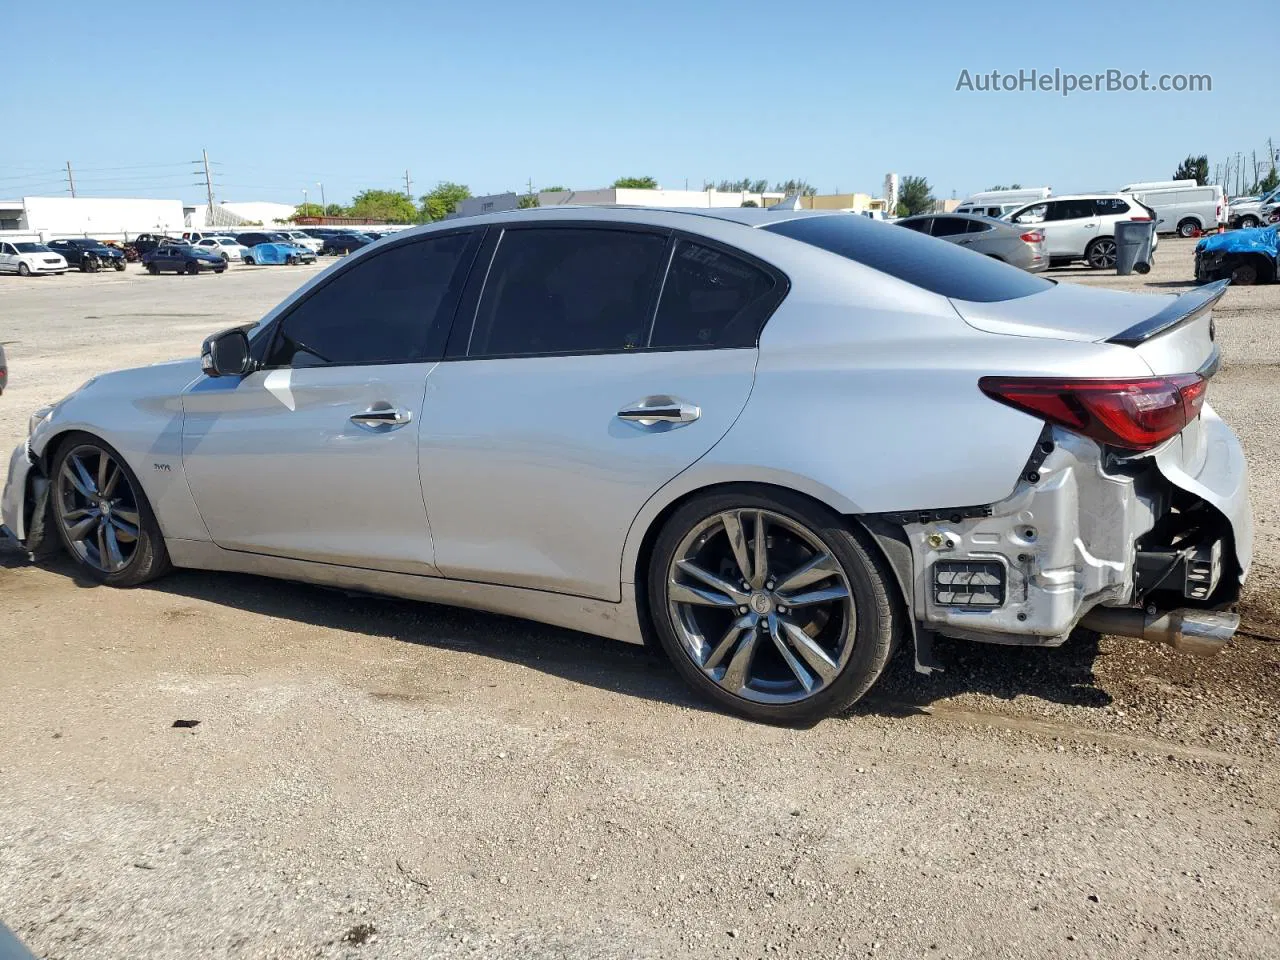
(382, 309)
(941, 268)
(976, 226)
(711, 299)
(920, 226)
(6, 248)
(949, 226)
(1110, 206)
(568, 290)
(1070, 210)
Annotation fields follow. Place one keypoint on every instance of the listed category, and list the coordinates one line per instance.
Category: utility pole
(71, 180)
(408, 185)
(208, 180)
(323, 205)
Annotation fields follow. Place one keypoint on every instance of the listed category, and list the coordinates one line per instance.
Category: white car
(25, 257)
(1249, 212)
(1082, 226)
(303, 240)
(225, 247)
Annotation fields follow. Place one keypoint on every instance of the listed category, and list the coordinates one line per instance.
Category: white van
(1182, 206)
(996, 203)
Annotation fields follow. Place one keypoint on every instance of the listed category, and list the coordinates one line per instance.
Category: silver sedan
(779, 444)
(1021, 246)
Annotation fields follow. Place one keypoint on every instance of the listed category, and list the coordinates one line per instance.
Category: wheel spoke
(86, 479)
(728, 641)
(109, 484)
(812, 654)
(115, 559)
(737, 542)
(128, 516)
(102, 545)
(775, 632)
(739, 669)
(836, 591)
(73, 478)
(683, 593)
(760, 565)
(104, 468)
(127, 530)
(711, 580)
(816, 568)
(81, 529)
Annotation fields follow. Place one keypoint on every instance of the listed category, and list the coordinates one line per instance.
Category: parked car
(182, 258)
(997, 203)
(1182, 206)
(1082, 227)
(226, 247)
(271, 253)
(146, 242)
(1245, 257)
(303, 240)
(1021, 246)
(618, 435)
(89, 255)
(27, 257)
(252, 238)
(341, 243)
(1250, 212)
(194, 237)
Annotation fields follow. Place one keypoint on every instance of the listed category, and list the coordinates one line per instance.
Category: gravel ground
(380, 779)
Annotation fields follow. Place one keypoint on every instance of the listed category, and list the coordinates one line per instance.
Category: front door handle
(382, 417)
(661, 409)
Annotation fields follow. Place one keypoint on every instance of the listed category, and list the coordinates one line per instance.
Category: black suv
(89, 255)
(146, 242)
(257, 237)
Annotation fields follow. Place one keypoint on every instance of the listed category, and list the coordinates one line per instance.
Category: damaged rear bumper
(1086, 529)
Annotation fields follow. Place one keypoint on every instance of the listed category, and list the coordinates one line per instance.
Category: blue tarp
(274, 252)
(1259, 240)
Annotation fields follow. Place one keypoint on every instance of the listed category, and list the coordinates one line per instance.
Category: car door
(315, 455)
(1070, 227)
(596, 364)
(8, 258)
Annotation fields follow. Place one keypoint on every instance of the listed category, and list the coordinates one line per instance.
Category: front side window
(6, 248)
(711, 299)
(568, 290)
(389, 308)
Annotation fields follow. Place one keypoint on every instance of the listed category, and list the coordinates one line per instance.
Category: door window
(7, 249)
(949, 226)
(1070, 210)
(711, 299)
(393, 307)
(1034, 214)
(568, 290)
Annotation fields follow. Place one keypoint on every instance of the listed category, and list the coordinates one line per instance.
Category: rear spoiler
(1186, 308)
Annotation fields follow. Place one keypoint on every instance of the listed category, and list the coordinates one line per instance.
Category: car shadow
(1062, 675)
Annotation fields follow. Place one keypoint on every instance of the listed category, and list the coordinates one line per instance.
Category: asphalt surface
(378, 779)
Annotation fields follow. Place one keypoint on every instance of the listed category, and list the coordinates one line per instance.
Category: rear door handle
(382, 417)
(660, 409)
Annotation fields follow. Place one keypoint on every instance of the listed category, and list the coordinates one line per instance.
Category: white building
(102, 217)
(631, 197)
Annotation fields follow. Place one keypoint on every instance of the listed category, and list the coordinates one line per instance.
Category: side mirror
(226, 354)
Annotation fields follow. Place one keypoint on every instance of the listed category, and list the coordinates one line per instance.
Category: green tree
(914, 196)
(1267, 183)
(802, 187)
(305, 210)
(443, 200)
(556, 189)
(1193, 168)
(1001, 186)
(749, 203)
(528, 200)
(335, 210)
(738, 186)
(635, 183)
(388, 206)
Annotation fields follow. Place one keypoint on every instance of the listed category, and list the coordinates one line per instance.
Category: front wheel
(770, 604)
(1244, 274)
(1101, 254)
(248, 260)
(292, 260)
(193, 269)
(102, 516)
(153, 269)
(1249, 222)
(119, 265)
(24, 270)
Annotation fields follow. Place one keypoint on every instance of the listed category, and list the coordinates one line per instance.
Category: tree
(739, 186)
(914, 196)
(305, 210)
(802, 187)
(335, 210)
(1193, 168)
(635, 183)
(1000, 186)
(443, 200)
(388, 206)
(556, 189)
(749, 203)
(1267, 183)
(527, 201)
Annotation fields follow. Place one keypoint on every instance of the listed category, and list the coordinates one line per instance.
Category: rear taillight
(1135, 414)
(1140, 219)
(1033, 236)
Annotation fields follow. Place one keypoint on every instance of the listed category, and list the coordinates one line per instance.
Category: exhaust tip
(1197, 632)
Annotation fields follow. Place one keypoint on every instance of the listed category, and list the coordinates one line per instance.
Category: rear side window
(382, 309)
(711, 299)
(568, 290)
(977, 226)
(949, 226)
(937, 266)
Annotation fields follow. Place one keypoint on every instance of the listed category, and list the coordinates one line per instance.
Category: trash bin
(1133, 246)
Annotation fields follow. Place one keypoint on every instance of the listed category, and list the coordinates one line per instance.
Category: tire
(153, 269)
(248, 260)
(1187, 228)
(1100, 254)
(225, 258)
(1249, 221)
(193, 269)
(221, 269)
(1244, 274)
(24, 270)
(119, 545)
(737, 647)
(292, 260)
(119, 265)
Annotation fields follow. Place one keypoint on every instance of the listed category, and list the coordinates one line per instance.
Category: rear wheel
(193, 269)
(248, 260)
(153, 269)
(103, 517)
(292, 260)
(24, 270)
(1248, 222)
(1188, 228)
(770, 605)
(1101, 253)
(119, 264)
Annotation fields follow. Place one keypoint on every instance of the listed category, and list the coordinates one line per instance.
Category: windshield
(32, 248)
(926, 262)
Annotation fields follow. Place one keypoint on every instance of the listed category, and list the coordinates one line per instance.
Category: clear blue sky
(492, 93)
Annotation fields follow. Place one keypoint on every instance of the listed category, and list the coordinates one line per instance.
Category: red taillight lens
(1134, 414)
(1033, 236)
(1140, 219)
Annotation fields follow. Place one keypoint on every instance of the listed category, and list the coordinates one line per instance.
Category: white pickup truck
(1253, 213)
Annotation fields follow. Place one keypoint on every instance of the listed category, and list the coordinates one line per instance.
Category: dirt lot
(382, 779)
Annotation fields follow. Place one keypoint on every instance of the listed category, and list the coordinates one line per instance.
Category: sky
(496, 93)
